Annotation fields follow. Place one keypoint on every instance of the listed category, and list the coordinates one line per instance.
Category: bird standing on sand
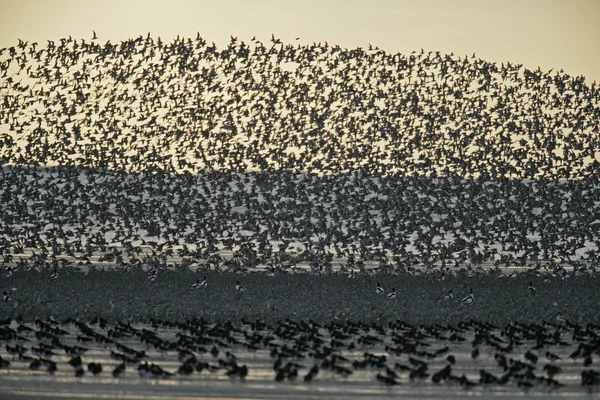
(199, 284)
(239, 288)
(7, 297)
(468, 299)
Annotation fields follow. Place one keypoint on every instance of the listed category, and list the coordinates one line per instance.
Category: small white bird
(239, 287)
(531, 289)
(54, 274)
(199, 284)
(351, 275)
(469, 299)
(379, 289)
(392, 294)
(449, 296)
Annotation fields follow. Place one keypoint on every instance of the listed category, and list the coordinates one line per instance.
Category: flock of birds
(284, 154)
(60, 217)
(180, 154)
(393, 354)
(186, 106)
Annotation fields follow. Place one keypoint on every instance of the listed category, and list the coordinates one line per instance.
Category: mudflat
(118, 295)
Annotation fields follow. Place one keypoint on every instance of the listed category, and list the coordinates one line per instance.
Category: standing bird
(7, 297)
(119, 370)
(4, 363)
(531, 289)
(199, 284)
(392, 294)
(152, 276)
(312, 373)
(95, 368)
(468, 299)
(379, 289)
(239, 288)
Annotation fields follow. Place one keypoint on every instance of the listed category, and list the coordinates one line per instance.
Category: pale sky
(558, 34)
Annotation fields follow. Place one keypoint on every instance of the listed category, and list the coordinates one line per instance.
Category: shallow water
(18, 381)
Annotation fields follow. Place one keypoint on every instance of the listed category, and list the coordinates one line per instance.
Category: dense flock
(516, 355)
(184, 155)
(405, 185)
(58, 216)
(187, 106)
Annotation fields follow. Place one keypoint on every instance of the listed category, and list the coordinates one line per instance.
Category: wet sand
(129, 295)
(327, 299)
(402, 346)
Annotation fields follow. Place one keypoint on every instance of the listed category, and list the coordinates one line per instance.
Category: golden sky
(559, 34)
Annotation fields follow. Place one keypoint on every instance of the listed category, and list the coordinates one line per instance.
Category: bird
(236, 371)
(95, 368)
(54, 275)
(392, 294)
(531, 289)
(119, 370)
(552, 369)
(469, 298)
(75, 362)
(531, 357)
(449, 296)
(7, 297)
(379, 289)
(386, 380)
(199, 284)
(4, 363)
(239, 287)
(311, 373)
(152, 276)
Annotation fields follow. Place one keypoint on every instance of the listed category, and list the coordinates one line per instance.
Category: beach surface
(129, 295)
